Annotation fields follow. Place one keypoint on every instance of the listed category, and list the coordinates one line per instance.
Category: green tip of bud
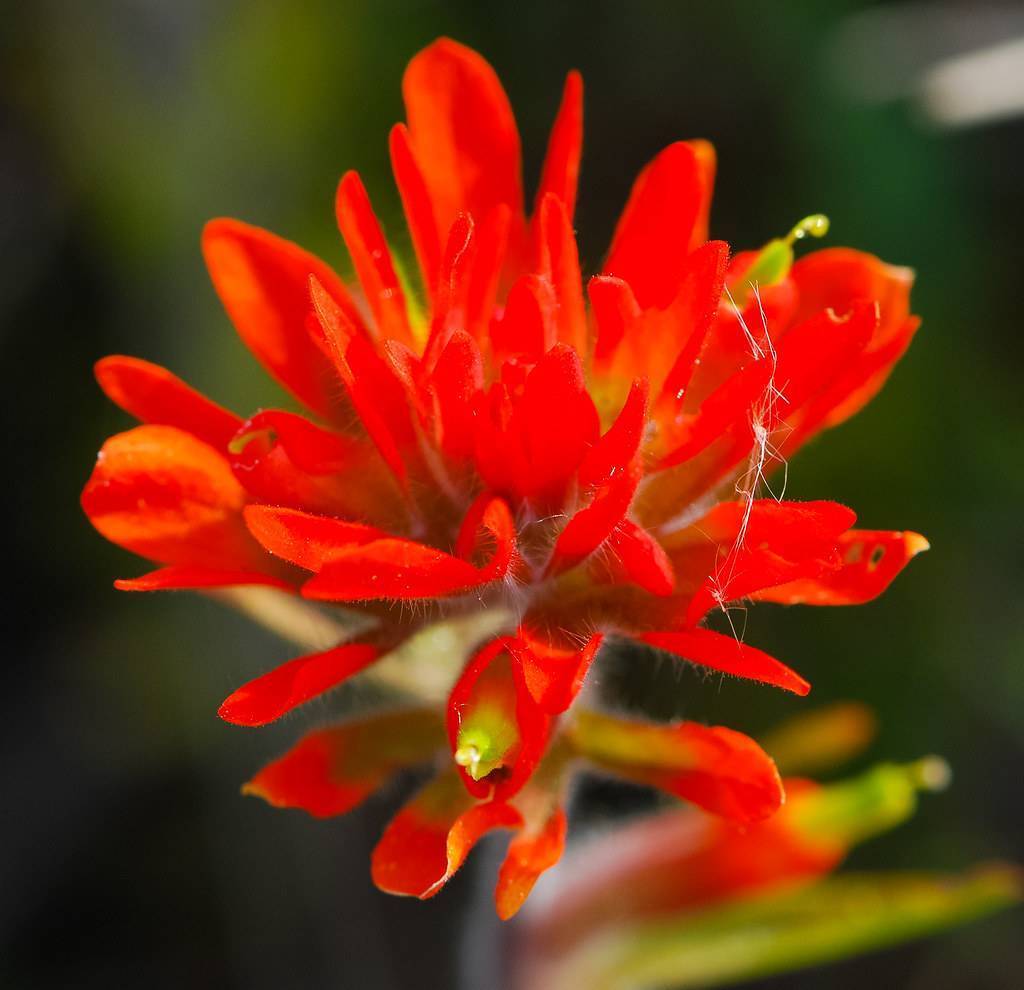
(816, 225)
(479, 751)
(238, 444)
(931, 773)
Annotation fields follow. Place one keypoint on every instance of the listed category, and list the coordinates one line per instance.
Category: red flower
(581, 455)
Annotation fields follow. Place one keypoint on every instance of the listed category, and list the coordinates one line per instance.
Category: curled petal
(272, 695)
(430, 838)
(722, 771)
(529, 854)
(744, 547)
(153, 395)
(165, 495)
(310, 447)
(332, 770)
(489, 517)
(723, 653)
(871, 559)
(554, 676)
(263, 282)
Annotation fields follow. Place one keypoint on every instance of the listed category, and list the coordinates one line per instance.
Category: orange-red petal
(181, 578)
(430, 838)
(153, 395)
(492, 714)
(871, 559)
(554, 676)
(330, 771)
(268, 697)
(166, 495)
(661, 223)
(371, 257)
(722, 771)
(727, 655)
(560, 174)
(529, 855)
(462, 132)
(263, 282)
(305, 539)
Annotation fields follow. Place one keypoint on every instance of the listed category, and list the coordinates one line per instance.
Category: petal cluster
(497, 431)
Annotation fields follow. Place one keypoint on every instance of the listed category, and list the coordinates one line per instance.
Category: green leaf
(832, 920)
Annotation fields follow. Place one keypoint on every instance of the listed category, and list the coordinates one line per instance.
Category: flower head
(579, 458)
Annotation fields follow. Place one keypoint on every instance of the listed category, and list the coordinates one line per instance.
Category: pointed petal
(722, 771)
(529, 855)
(560, 264)
(661, 223)
(589, 528)
(191, 578)
(723, 653)
(456, 383)
(616, 313)
(560, 174)
(263, 282)
(462, 132)
(333, 770)
(430, 838)
(165, 495)
(419, 211)
(153, 395)
(871, 559)
(372, 258)
(450, 310)
(638, 558)
(377, 394)
(276, 693)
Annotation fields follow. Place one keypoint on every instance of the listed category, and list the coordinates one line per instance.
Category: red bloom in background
(581, 455)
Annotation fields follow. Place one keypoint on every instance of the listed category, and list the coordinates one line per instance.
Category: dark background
(127, 857)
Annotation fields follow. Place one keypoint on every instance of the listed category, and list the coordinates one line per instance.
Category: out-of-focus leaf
(680, 860)
(821, 740)
(835, 918)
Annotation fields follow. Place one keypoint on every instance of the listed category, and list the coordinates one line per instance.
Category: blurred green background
(128, 857)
